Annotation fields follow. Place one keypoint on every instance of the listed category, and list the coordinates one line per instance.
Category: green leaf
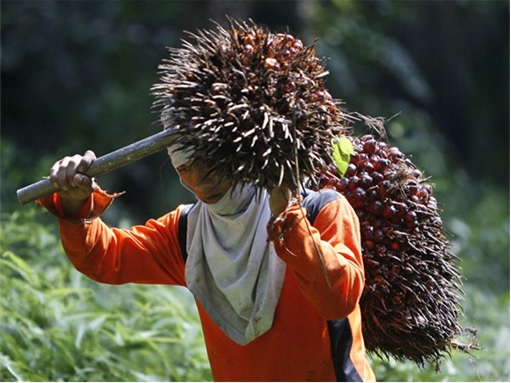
(342, 151)
(19, 266)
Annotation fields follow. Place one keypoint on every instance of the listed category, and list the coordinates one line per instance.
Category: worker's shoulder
(315, 201)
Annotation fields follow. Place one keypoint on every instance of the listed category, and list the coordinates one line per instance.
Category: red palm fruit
(366, 181)
(377, 177)
(389, 211)
(417, 307)
(369, 146)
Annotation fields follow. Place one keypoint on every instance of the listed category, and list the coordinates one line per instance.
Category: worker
(277, 276)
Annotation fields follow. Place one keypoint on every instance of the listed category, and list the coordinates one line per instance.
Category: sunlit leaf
(342, 149)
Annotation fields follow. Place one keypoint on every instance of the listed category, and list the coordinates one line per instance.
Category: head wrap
(179, 155)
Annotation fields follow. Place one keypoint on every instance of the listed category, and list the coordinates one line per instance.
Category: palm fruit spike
(250, 103)
(411, 301)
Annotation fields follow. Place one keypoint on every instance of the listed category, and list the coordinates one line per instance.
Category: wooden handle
(104, 164)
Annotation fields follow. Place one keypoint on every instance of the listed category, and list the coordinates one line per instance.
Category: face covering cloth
(232, 270)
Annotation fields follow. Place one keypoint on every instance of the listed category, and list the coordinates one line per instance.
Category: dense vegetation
(76, 75)
(56, 325)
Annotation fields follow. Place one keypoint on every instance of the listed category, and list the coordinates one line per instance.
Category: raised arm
(148, 253)
(326, 257)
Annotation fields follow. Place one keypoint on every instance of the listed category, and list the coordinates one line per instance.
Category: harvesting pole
(104, 164)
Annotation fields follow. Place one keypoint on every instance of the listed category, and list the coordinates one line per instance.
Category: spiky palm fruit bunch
(410, 304)
(250, 103)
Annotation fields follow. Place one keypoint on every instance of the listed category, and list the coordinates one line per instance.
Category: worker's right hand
(68, 175)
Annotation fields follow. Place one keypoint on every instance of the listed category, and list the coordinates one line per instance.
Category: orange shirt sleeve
(336, 288)
(148, 253)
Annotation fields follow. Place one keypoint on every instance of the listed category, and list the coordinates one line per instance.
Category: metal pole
(104, 164)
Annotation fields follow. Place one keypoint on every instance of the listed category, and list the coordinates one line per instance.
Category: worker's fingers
(63, 173)
(86, 161)
(82, 181)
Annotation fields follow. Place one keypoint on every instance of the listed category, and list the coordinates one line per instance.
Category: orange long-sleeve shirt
(316, 334)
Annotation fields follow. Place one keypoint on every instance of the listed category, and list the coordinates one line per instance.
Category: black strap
(314, 201)
(341, 339)
(182, 228)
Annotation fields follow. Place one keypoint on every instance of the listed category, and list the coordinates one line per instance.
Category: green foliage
(56, 325)
(342, 150)
(386, 58)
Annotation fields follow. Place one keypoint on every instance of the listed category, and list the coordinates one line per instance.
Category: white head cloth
(179, 155)
(232, 270)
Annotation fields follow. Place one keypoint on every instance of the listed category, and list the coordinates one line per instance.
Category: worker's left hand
(279, 199)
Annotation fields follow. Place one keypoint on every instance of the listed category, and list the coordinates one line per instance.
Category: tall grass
(57, 325)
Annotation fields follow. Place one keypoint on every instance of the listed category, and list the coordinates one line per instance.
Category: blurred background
(76, 75)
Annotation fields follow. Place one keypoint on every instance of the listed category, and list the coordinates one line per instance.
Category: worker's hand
(68, 175)
(279, 199)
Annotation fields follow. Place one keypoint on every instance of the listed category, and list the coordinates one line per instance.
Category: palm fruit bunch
(251, 103)
(410, 304)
